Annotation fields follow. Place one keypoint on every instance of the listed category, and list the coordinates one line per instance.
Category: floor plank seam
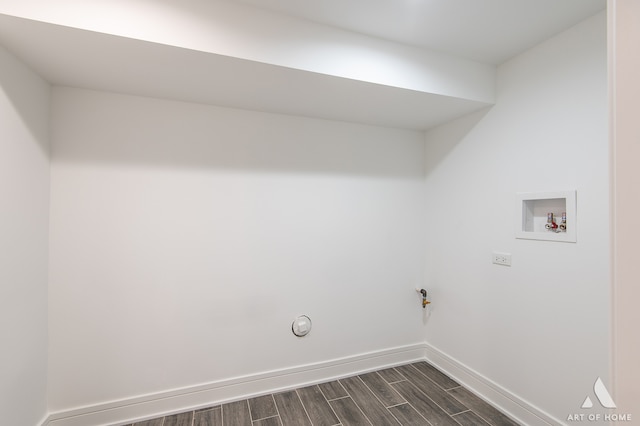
(264, 418)
(428, 378)
(462, 412)
(434, 402)
(420, 414)
(393, 415)
(397, 381)
(362, 411)
(277, 409)
(396, 405)
(373, 393)
(458, 385)
(334, 411)
(303, 407)
(250, 414)
(340, 397)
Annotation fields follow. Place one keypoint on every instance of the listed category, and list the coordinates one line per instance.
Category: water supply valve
(423, 292)
(563, 223)
(551, 224)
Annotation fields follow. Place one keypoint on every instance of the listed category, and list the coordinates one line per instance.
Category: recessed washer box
(532, 210)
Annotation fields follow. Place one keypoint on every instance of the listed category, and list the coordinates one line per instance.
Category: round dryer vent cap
(301, 326)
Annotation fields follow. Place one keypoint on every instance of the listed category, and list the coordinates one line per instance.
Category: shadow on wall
(21, 93)
(101, 128)
(443, 139)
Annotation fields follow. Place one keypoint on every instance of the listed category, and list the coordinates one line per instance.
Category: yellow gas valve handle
(425, 302)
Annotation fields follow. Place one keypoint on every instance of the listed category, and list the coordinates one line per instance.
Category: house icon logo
(602, 394)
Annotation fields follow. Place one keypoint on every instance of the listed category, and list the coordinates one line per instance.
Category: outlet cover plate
(501, 258)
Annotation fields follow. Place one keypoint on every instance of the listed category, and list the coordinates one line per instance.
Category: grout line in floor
(249, 408)
(264, 418)
(416, 410)
(397, 381)
(334, 411)
(437, 405)
(396, 405)
(340, 397)
(376, 396)
(462, 412)
(303, 407)
(363, 413)
(273, 398)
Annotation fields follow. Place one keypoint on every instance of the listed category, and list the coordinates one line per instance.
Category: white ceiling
(489, 31)
(270, 55)
(74, 57)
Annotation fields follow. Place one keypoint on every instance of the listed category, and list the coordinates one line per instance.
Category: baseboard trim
(194, 397)
(44, 421)
(159, 404)
(519, 409)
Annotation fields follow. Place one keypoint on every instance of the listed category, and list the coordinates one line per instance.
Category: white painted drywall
(186, 238)
(242, 31)
(540, 328)
(624, 37)
(77, 58)
(24, 213)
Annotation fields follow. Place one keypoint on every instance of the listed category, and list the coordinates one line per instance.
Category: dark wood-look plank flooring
(262, 407)
(292, 412)
(182, 419)
(415, 394)
(317, 407)
(348, 412)
(333, 390)
(424, 405)
(211, 417)
(438, 395)
(469, 418)
(366, 400)
(486, 411)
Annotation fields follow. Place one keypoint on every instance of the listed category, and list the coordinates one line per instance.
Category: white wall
(185, 238)
(24, 208)
(540, 328)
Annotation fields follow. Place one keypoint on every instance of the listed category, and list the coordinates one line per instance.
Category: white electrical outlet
(501, 258)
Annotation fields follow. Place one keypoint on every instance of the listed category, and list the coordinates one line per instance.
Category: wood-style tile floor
(413, 394)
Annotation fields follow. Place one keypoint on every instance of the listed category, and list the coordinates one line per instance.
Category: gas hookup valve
(423, 292)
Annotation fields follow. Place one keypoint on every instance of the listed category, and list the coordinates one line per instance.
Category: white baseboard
(179, 400)
(515, 407)
(145, 407)
(44, 421)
